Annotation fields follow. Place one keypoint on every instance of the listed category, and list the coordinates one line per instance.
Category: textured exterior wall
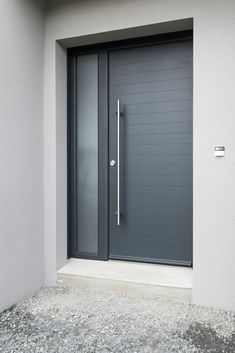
(21, 150)
(214, 123)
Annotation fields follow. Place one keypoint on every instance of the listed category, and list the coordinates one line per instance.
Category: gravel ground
(62, 320)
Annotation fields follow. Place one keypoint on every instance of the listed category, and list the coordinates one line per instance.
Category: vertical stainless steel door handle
(118, 163)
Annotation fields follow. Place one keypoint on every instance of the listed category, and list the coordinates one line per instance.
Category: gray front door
(154, 87)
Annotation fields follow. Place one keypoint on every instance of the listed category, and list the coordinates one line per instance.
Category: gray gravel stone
(61, 320)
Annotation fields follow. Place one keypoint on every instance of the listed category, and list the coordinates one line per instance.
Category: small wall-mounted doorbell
(219, 151)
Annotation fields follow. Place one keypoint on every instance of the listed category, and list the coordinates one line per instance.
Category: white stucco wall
(213, 114)
(21, 150)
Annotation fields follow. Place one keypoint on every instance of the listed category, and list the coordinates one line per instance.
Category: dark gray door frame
(103, 131)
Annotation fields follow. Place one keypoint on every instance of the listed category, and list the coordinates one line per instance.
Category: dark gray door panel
(154, 85)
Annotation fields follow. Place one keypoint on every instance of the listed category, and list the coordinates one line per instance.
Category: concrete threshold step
(127, 277)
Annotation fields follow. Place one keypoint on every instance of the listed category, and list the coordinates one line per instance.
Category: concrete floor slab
(131, 272)
(149, 280)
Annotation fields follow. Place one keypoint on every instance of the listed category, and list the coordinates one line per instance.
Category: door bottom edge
(156, 261)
